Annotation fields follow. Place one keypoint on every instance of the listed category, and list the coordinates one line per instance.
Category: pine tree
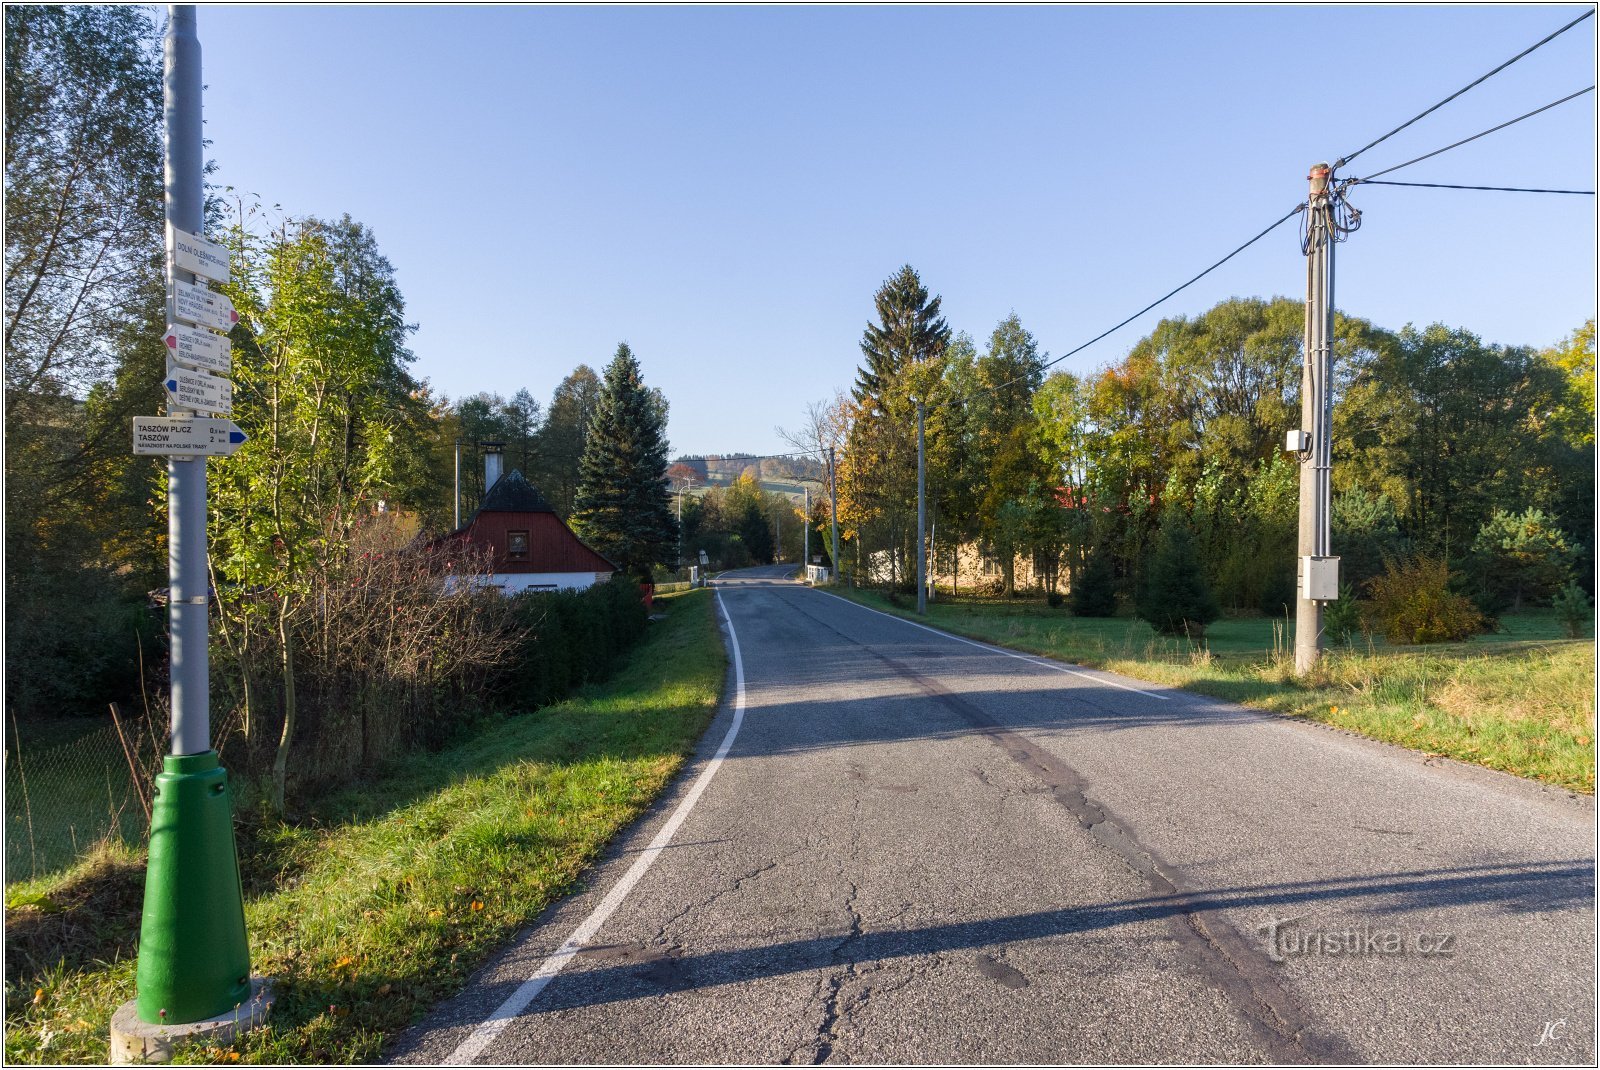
(622, 506)
(1094, 592)
(1175, 598)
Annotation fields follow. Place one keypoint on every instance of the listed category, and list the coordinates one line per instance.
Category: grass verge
(401, 886)
(1521, 701)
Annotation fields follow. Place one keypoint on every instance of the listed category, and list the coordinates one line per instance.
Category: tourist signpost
(193, 976)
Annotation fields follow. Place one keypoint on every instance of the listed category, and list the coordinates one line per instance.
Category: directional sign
(181, 436)
(198, 392)
(195, 347)
(193, 253)
(202, 307)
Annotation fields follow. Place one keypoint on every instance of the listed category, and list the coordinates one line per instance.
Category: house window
(517, 546)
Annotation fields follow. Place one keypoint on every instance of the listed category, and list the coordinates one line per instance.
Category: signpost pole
(922, 516)
(194, 959)
(833, 509)
(805, 555)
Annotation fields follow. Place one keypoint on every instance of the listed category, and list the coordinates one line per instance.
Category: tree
(1175, 598)
(1517, 558)
(561, 440)
(82, 321)
(1094, 591)
(904, 358)
(622, 506)
(909, 329)
(321, 387)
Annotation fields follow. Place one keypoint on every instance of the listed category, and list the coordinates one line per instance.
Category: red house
(533, 548)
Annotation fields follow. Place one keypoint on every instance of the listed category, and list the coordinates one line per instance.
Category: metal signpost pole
(922, 518)
(194, 960)
(805, 554)
(833, 510)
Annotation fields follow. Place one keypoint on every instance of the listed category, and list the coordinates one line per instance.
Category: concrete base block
(134, 1041)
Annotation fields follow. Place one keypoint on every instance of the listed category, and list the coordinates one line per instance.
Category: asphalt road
(920, 849)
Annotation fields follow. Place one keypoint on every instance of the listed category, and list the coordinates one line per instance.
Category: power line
(1501, 189)
(1297, 209)
(1464, 88)
(1474, 137)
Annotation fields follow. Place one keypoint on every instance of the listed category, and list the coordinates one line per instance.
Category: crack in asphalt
(701, 904)
(1216, 948)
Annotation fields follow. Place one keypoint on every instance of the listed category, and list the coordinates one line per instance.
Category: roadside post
(193, 975)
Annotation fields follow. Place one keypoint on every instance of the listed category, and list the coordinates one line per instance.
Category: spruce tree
(622, 506)
(1094, 593)
(909, 329)
(1175, 598)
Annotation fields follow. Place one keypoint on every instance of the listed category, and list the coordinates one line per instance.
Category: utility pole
(922, 516)
(682, 486)
(458, 483)
(833, 510)
(805, 555)
(1318, 571)
(194, 960)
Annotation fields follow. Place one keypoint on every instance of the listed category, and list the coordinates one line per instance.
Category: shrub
(570, 638)
(1517, 558)
(1572, 605)
(1342, 619)
(1412, 603)
(1054, 599)
(1094, 590)
(1175, 599)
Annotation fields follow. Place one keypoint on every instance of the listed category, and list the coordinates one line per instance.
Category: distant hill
(779, 475)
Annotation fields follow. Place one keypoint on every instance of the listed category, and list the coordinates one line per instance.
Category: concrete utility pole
(922, 516)
(683, 485)
(805, 555)
(194, 960)
(833, 510)
(1318, 571)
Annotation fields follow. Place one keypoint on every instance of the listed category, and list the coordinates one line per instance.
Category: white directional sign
(203, 307)
(181, 436)
(198, 348)
(193, 253)
(198, 392)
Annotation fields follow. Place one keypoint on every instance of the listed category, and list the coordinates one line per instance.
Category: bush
(570, 638)
(1342, 619)
(1054, 599)
(1175, 599)
(1094, 590)
(1572, 605)
(1412, 603)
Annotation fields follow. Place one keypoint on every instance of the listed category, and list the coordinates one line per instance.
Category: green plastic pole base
(194, 960)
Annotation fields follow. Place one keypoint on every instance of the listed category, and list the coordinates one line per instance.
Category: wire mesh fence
(65, 795)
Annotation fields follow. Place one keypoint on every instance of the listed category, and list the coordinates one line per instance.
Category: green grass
(386, 901)
(1520, 700)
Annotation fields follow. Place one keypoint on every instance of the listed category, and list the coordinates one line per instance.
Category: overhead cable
(1463, 89)
(1474, 137)
(1170, 293)
(1500, 189)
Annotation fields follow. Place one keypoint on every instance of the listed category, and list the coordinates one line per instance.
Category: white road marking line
(1002, 650)
(491, 1027)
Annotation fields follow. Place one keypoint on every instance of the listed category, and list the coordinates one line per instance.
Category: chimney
(493, 462)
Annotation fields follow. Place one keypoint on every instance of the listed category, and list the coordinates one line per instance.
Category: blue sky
(725, 188)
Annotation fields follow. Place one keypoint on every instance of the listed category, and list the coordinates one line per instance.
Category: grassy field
(385, 903)
(1520, 700)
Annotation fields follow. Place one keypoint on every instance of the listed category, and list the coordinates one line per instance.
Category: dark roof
(512, 493)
